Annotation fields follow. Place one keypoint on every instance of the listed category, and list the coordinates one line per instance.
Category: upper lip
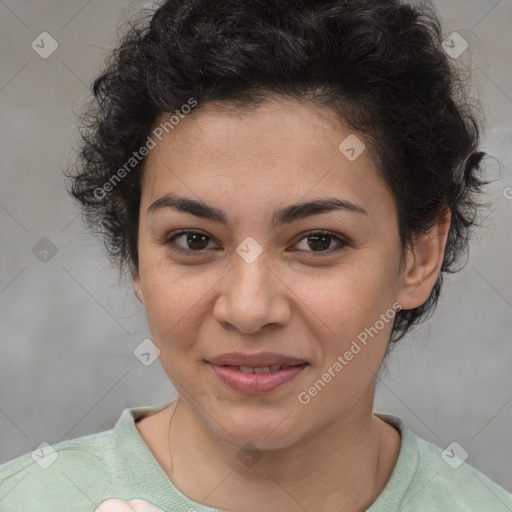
(255, 360)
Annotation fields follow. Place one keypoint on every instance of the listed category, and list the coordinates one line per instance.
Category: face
(311, 286)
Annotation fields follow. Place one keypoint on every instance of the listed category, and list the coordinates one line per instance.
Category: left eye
(320, 241)
(197, 242)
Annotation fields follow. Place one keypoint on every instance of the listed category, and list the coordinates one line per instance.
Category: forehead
(283, 149)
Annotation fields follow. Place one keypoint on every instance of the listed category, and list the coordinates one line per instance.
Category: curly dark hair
(379, 64)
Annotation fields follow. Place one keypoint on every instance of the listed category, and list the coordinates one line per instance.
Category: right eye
(194, 241)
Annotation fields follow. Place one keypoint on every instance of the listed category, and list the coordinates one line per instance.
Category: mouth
(257, 380)
(271, 360)
(262, 369)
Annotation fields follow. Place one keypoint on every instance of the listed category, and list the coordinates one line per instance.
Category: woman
(286, 182)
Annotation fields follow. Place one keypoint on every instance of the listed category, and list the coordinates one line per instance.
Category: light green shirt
(77, 475)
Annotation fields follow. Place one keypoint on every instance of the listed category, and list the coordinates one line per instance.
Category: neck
(344, 466)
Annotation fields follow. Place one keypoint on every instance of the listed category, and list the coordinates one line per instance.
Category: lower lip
(256, 383)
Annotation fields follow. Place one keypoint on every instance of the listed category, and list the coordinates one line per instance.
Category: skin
(333, 453)
(126, 506)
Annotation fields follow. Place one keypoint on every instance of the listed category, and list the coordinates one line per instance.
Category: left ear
(423, 263)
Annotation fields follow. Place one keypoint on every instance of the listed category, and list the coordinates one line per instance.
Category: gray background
(68, 332)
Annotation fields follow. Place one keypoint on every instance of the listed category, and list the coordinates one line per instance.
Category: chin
(264, 430)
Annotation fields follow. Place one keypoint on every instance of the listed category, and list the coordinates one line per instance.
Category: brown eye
(193, 241)
(320, 242)
(196, 242)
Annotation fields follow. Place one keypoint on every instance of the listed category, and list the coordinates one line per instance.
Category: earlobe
(137, 287)
(423, 264)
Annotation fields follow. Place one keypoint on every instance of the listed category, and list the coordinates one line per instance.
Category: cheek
(173, 298)
(344, 301)
(172, 306)
(348, 330)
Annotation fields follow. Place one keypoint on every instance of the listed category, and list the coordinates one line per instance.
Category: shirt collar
(138, 469)
(152, 483)
(393, 494)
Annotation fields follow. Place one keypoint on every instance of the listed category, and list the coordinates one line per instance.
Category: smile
(255, 380)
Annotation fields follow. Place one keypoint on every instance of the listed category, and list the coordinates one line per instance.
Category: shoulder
(72, 471)
(432, 478)
(79, 474)
(448, 478)
(94, 447)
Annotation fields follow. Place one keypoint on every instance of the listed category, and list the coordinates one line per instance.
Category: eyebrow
(284, 215)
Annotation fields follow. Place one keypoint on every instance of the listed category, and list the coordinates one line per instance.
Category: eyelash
(173, 247)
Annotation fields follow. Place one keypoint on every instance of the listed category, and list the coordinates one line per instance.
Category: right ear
(137, 287)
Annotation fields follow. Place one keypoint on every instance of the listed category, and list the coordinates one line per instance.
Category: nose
(252, 297)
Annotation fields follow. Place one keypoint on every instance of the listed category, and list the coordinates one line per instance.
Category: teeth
(262, 369)
(259, 369)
